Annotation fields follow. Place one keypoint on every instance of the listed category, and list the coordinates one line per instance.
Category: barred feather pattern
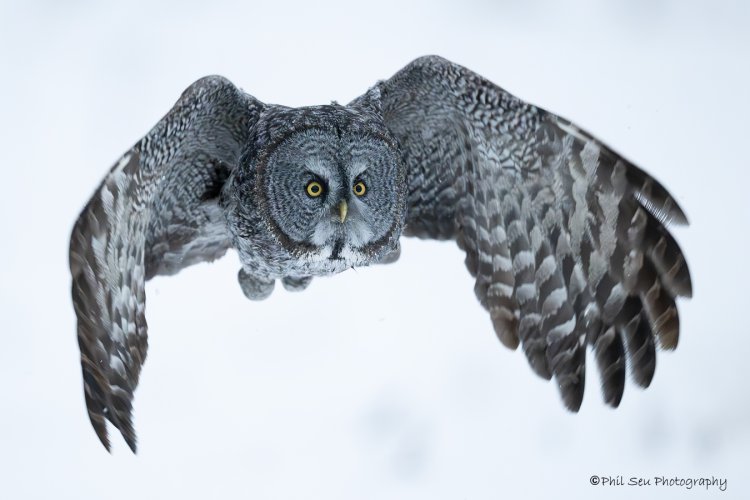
(154, 213)
(566, 239)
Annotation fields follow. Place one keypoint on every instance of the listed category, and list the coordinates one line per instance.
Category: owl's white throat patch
(353, 232)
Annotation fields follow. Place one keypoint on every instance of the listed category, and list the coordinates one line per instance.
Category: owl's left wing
(567, 240)
(155, 212)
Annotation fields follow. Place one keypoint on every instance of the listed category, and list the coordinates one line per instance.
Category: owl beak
(343, 209)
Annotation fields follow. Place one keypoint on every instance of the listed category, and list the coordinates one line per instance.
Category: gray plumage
(566, 240)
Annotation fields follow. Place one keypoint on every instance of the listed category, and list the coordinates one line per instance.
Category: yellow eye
(314, 189)
(359, 188)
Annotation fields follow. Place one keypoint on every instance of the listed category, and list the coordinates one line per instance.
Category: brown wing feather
(154, 213)
(566, 239)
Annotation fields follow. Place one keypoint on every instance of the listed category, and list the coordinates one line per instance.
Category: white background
(387, 382)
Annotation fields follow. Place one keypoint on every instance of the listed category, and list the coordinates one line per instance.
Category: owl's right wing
(154, 213)
(567, 240)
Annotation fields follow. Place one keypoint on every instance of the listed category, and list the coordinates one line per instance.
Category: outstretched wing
(567, 240)
(155, 212)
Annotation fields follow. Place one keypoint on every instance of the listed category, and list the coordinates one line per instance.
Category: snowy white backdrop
(386, 382)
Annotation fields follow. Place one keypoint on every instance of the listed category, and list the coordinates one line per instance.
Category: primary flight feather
(566, 239)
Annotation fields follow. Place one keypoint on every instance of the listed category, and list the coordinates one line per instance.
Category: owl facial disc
(332, 187)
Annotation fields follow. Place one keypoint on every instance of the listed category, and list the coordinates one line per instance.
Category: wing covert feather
(567, 240)
(154, 213)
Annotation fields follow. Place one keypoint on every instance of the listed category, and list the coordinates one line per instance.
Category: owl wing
(154, 213)
(567, 240)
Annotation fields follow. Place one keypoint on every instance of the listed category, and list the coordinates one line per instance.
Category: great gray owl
(567, 240)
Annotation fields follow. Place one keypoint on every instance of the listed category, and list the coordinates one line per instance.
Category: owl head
(328, 184)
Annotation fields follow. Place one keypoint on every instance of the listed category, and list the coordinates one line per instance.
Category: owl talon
(296, 284)
(254, 288)
(391, 256)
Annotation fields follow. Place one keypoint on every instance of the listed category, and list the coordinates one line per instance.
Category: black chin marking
(337, 249)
